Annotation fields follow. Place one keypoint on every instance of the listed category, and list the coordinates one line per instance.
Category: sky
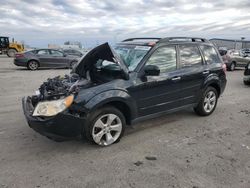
(40, 22)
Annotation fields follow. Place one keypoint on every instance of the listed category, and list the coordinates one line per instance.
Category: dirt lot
(177, 150)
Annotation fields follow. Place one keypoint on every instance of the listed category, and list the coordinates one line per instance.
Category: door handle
(205, 72)
(176, 78)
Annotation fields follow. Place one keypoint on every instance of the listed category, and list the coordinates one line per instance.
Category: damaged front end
(53, 111)
(59, 87)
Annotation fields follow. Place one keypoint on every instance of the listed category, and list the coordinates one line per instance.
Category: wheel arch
(116, 98)
(123, 108)
(216, 86)
(213, 81)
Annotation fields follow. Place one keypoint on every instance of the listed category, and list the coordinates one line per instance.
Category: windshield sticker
(142, 48)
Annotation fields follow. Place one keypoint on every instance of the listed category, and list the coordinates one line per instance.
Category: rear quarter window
(210, 54)
(189, 56)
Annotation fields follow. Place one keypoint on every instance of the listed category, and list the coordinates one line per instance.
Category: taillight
(19, 55)
(224, 67)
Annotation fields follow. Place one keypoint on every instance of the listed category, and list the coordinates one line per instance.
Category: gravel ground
(176, 150)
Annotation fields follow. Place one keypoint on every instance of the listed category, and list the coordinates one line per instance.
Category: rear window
(190, 56)
(210, 54)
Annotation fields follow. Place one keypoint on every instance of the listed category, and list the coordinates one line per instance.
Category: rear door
(44, 57)
(192, 73)
(156, 94)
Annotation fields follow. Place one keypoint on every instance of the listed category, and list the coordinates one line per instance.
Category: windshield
(131, 55)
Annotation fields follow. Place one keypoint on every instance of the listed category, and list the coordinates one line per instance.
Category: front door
(156, 94)
(44, 57)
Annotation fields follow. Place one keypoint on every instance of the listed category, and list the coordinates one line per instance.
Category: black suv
(246, 78)
(139, 78)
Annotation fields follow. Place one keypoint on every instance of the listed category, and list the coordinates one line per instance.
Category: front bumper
(62, 126)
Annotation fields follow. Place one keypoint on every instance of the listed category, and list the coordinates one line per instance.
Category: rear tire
(246, 83)
(32, 65)
(208, 102)
(11, 52)
(105, 126)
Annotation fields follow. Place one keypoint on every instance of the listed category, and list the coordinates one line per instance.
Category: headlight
(51, 108)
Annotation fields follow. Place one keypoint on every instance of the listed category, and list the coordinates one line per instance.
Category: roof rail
(193, 39)
(144, 38)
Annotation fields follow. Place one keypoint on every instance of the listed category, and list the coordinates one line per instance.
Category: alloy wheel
(33, 65)
(209, 101)
(107, 129)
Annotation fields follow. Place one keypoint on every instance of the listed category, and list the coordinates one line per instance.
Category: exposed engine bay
(60, 86)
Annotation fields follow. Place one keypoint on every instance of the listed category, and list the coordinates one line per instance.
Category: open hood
(103, 52)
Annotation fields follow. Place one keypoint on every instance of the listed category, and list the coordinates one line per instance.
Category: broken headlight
(51, 108)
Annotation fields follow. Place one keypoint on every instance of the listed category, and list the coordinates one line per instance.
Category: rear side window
(164, 58)
(210, 54)
(189, 56)
(43, 52)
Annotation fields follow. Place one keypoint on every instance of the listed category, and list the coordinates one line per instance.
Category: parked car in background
(140, 78)
(73, 52)
(246, 78)
(234, 58)
(246, 52)
(48, 58)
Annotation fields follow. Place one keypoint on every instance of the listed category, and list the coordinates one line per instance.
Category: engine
(60, 86)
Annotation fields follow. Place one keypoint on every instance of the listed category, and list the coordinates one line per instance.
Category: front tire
(208, 102)
(105, 126)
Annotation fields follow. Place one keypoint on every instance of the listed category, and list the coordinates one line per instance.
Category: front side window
(189, 56)
(164, 58)
(210, 54)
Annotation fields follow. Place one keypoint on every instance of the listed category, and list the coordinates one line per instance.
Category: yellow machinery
(10, 48)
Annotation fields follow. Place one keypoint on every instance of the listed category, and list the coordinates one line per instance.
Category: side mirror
(151, 70)
(64, 55)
